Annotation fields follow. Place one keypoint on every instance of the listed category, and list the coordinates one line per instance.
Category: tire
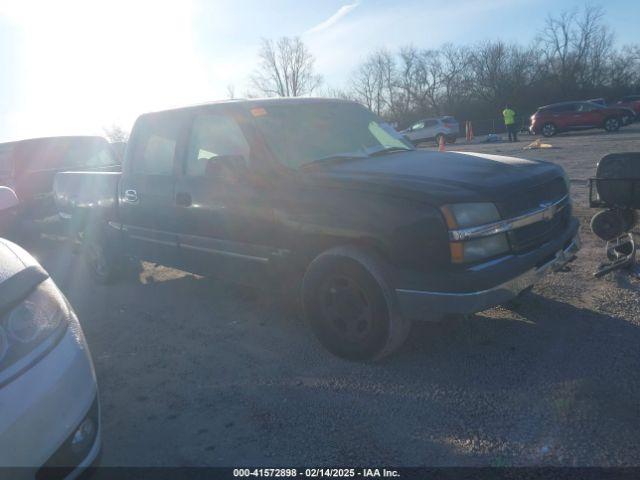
(350, 307)
(612, 124)
(549, 129)
(608, 224)
(438, 137)
(629, 218)
(626, 120)
(99, 255)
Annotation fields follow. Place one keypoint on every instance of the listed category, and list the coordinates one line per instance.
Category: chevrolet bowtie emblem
(547, 213)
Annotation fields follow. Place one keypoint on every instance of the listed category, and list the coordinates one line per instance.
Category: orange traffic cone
(441, 144)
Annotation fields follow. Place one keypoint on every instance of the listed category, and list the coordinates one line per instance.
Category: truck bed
(85, 195)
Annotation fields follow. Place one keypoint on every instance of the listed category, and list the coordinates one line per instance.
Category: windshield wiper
(340, 157)
(386, 150)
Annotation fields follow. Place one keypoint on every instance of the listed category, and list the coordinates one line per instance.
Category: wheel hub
(346, 309)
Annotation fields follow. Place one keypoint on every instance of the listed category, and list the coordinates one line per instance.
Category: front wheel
(549, 130)
(349, 309)
(612, 124)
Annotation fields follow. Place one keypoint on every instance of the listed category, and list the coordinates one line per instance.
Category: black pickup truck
(324, 199)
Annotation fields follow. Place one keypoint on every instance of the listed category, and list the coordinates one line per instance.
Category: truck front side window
(214, 136)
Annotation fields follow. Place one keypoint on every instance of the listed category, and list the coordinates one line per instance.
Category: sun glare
(88, 63)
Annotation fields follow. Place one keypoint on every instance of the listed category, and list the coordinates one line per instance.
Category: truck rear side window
(214, 136)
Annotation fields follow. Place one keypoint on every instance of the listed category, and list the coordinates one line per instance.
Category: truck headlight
(465, 215)
(40, 317)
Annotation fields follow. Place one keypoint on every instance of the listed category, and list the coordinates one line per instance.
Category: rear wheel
(104, 264)
(627, 120)
(350, 310)
(549, 129)
(612, 124)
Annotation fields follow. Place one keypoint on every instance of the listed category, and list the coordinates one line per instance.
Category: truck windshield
(304, 133)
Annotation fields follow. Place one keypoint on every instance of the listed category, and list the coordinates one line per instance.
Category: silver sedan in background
(433, 129)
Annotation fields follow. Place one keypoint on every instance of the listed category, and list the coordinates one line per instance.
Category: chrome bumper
(423, 304)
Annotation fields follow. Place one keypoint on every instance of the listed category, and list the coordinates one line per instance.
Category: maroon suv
(567, 116)
(632, 102)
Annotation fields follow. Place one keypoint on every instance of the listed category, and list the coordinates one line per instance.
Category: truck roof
(258, 102)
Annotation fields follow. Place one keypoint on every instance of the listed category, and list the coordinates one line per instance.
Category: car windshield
(300, 134)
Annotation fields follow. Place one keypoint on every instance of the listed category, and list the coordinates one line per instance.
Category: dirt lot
(195, 372)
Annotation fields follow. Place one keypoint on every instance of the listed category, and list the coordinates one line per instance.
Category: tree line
(573, 57)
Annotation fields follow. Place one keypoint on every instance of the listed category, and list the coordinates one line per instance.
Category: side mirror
(8, 198)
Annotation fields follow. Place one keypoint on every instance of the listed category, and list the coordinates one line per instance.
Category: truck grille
(530, 237)
(531, 198)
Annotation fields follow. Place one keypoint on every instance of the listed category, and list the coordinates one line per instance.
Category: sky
(77, 66)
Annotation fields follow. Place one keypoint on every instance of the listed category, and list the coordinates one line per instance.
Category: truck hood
(439, 177)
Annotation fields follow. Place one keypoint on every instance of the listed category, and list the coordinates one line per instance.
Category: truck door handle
(131, 196)
(183, 199)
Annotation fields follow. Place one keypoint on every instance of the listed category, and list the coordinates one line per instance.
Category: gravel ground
(196, 372)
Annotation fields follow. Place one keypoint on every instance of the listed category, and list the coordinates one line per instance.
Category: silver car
(433, 129)
(49, 408)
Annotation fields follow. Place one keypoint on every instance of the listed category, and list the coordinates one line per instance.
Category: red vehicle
(632, 102)
(569, 116)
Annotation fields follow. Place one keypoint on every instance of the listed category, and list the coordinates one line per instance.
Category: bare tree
(335, 92)
(231, 91)
(366, 86)
(456, 76)
(374, 82)
(115, 133)
(576, 46)
(422, 78)
(286, 69)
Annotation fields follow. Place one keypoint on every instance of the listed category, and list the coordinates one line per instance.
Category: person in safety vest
(510, 122)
